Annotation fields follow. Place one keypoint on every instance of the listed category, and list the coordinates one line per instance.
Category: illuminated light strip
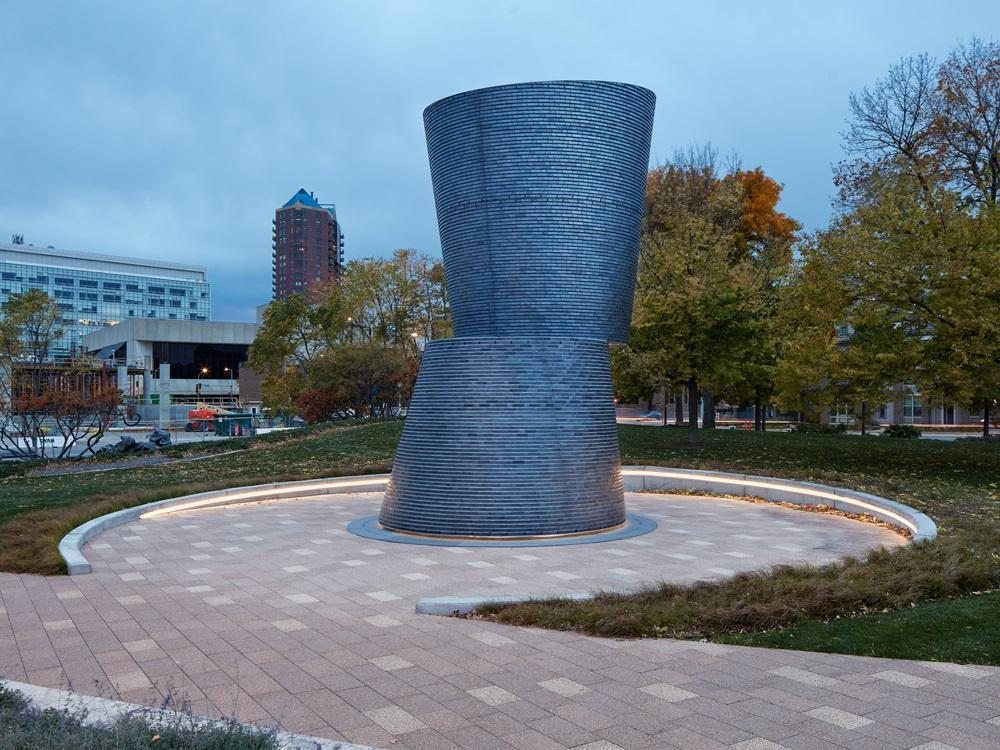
(273, 492)
(278, 492)
(769, 486)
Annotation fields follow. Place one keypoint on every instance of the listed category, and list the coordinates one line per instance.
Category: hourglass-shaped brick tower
(539, 189)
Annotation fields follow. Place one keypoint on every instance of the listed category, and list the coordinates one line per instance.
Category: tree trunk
(664, 406)
(707, 409)
(678, 410)
(864, 418)
(756, 410)
(692, 389)
(986, 417)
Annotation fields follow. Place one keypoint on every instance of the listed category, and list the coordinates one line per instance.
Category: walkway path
(273, 612)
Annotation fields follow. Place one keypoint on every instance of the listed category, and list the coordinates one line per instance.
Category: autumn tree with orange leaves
(714, 247)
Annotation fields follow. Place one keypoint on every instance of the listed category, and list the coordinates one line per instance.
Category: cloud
(174, 130)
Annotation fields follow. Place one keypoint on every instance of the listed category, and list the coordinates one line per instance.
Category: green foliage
(637, 375)
(713, 248)
(916, 246)
(25, 727)
(901, 431)
(363, 379)
(29, 327)
(353, 349)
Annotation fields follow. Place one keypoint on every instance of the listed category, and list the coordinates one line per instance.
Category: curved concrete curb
(661, 478)
(637, 479)
(71, 545)
(462, 605)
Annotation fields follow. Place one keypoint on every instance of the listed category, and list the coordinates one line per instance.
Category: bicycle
(129, 415)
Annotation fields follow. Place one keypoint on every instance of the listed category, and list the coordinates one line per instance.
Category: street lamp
(197, 385)
(230, 371)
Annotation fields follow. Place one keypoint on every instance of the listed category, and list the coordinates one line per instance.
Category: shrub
(24, 727)
(901, 431)
(819, 429)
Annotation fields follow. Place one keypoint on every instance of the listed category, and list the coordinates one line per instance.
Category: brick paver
(275, 613)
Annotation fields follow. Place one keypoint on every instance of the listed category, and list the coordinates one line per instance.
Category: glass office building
(94, 291)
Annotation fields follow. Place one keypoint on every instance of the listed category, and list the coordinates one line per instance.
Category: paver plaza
(272, 612)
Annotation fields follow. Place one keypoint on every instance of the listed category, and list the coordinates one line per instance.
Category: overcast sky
(173, 130)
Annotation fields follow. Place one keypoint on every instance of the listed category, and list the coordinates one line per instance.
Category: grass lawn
(956, 483)
(36, 511)
(965, 630)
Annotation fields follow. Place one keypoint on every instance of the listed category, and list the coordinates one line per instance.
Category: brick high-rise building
(308, 246)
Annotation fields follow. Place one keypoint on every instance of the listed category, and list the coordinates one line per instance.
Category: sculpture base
(508, 437)
(635, 525)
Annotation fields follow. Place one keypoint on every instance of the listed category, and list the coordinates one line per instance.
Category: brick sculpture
(539, 190)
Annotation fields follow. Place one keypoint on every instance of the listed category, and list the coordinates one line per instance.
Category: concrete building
(94, 291)
(180, 362)
(308, 246)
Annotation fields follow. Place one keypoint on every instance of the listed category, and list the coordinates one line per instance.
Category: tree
(295, 330)
(713, 249)
(638, 375)
(916, 236)
(358, 380)
(398, 300)
(75, 399)
(966, 123)
(29, 328)
(355, 351)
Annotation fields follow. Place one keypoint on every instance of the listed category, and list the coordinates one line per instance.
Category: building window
(88, 283)
(112, 285)
(112, 298)
(156, 290)
(913, 408)
(178, 292)
(840, 414)
(61, 281)
(133, 288)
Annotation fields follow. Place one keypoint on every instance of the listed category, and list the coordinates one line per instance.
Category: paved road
(926, 435)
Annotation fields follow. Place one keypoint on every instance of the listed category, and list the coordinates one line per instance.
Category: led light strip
(261, 493)
(769, 486)
(291, 492)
